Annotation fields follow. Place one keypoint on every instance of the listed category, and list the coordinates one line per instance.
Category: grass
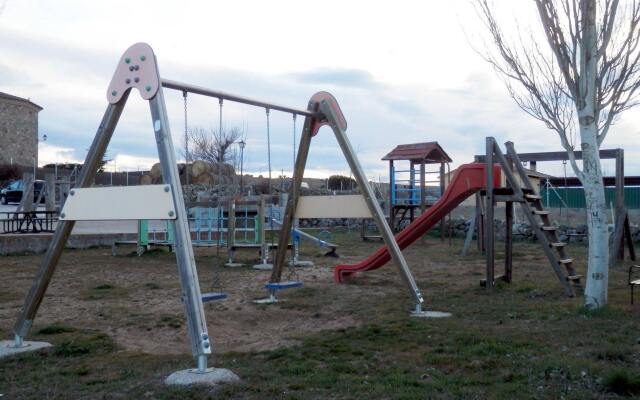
(622, 382)
(401, 358)
(522, 340)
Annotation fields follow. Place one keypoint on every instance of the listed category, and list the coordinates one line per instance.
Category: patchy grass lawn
(521, 340)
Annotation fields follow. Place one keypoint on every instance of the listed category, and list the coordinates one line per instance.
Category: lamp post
(242, 143)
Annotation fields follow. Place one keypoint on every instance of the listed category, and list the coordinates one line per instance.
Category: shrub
(341, 182)
(621, 382)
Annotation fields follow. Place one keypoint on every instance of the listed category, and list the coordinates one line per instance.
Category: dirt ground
(136, 300)
(324, 340)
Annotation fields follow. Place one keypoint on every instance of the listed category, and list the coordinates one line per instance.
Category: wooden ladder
(541, 224)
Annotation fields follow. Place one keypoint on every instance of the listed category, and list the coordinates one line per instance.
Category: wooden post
(391, 191)
(508, 242)
(50, 195)
(442, 221)
(488, 226)
(231, 227)
(412, 186)
(264, 249)
(480, 222)
(423, 188)
(26, 204)
(620, 209)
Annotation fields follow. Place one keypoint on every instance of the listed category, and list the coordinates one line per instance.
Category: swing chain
(186, 138)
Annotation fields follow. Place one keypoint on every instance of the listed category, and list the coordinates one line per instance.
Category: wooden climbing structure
(519, 190)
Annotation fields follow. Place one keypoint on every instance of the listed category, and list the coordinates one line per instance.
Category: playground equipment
(478, 178)
(146, 239)
(544, 233)
(633, 282)
(408, 188)
(469, 179)
(323, 103)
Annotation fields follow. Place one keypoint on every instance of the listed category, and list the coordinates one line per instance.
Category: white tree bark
(595, 295)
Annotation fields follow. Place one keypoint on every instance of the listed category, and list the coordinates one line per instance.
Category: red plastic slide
(469, 178)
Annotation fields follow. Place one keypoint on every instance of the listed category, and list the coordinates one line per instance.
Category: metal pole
(185, 87)
(196, 324)
(63, 228)
(370, 199)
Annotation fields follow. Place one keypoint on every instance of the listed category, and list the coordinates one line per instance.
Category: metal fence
(573, 197)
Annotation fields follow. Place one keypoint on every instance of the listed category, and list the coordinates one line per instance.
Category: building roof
(430, 152)
(19, 99)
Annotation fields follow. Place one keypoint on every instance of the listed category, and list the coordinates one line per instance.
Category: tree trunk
(595, 294)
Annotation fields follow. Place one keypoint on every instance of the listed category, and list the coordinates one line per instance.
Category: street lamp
(242, 143)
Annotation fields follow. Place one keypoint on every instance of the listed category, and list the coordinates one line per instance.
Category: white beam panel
(119, 203)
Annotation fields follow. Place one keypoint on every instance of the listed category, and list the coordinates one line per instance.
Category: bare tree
(212, 145)
(577, 85)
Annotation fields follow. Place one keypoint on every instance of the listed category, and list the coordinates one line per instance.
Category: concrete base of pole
(264, 267)
(302, 263)
(430, 314)
(208, 377)
(234, 265)
(8, 347)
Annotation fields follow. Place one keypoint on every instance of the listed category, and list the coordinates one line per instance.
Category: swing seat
(283, 285)
(214, 296)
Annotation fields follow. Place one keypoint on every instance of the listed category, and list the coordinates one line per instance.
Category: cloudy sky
(402, 72)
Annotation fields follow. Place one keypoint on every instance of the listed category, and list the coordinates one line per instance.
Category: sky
(403, 72)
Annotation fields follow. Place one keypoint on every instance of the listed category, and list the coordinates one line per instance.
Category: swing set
(137, 68)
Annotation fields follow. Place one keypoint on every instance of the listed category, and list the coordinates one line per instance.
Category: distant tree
(341, 182)
(213, 146)
(577, 85)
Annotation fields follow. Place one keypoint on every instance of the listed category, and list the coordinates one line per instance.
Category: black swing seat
(283, 285)
(214, 296)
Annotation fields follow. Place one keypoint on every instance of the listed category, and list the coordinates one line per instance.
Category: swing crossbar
(185, 87)
(283, 285)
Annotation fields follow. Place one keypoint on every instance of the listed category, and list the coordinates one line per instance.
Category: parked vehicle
(12, 193)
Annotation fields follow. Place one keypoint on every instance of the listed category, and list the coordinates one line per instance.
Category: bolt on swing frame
(322, 110)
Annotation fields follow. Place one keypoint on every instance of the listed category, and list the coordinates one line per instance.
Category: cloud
(50, 154)
(353, 78)
(389, 95)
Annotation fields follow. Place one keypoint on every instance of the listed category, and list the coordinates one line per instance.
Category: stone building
(18, 130)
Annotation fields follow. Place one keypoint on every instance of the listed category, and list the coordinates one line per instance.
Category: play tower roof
(430, 152)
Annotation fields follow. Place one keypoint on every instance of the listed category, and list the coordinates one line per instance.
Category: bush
(622, 382)
(341, 182)
(9, 172)
(55, 329)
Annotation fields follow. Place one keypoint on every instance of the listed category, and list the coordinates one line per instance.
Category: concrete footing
(210, 377)
(264, 267)
(233, 265)
(8, 349)
(430, 314)
(267, 300)
(302, 263)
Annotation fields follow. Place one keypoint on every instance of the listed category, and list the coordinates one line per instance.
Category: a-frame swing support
(138, 68)
(326, 106)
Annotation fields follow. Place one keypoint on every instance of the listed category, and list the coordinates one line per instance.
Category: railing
(28, 222)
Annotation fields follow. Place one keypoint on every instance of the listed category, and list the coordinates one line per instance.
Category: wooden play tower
(408, 187)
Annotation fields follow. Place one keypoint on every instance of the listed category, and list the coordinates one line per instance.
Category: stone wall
(18, 132)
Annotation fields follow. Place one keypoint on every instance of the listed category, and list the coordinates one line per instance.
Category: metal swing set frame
(138, 69)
